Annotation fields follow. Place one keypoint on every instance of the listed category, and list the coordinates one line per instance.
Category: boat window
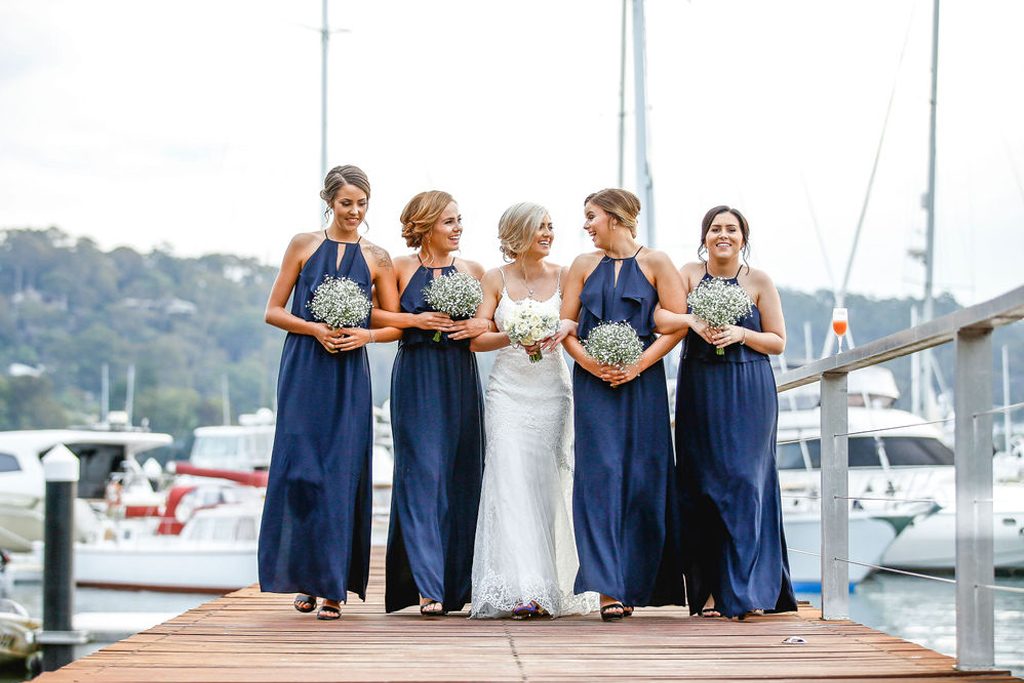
(224, 529)
(863, 452)
(246, 529)
(908, 451)
(9, 463)
(789, 456)
(198, 529)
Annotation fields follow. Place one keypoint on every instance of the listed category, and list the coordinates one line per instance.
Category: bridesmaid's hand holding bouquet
(718, 303)
(339, 302)
(457, 294)
(530, 323)
(614, 344)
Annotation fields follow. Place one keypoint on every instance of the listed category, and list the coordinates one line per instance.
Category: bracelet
(743, 341)
(372, 340)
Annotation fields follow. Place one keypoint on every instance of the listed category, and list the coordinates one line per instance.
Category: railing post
(835, 530)
(975, 647)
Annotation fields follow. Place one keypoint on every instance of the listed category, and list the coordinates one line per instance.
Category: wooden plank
(258, 637)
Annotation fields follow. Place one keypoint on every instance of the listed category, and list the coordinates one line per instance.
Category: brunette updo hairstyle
(421, 213)
(622, 205)
(517, 227)
(709, 218)
(337, 178)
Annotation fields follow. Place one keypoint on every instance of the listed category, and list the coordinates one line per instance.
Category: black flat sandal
(627, 611)
(328, 613)
(613, 611)
(427, 609)
(305, 603)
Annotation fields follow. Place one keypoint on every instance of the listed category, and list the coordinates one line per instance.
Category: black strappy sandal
(301, 601)
(627, 611)
(613, 611)
(328, 613)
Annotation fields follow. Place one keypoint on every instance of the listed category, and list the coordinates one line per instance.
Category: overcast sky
(196, 124)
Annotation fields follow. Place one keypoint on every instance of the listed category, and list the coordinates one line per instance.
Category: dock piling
(61, 471)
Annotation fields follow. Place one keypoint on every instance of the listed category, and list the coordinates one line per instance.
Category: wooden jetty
(256, 637)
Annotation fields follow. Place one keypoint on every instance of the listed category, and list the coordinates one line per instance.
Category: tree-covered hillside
(67, 308)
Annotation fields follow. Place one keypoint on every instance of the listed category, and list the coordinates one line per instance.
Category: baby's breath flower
(457, 294)
(614, 344)
(339, 302)
(719, 302)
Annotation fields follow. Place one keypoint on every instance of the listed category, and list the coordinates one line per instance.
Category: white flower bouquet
(339, 302)
(457, 294)
(529, 322)
(614, 344)
(719, 302)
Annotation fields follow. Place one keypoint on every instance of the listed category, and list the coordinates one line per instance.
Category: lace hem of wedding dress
(495, 598)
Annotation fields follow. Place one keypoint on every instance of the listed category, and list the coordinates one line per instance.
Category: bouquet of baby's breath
(614, 344)
(457, 294)
(529, 322)
(339, 302)
(719, 302)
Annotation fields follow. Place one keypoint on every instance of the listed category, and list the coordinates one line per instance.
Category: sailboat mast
(929, 257)
(644, 183)
(622, 96)
(925, 394)
(325, 38)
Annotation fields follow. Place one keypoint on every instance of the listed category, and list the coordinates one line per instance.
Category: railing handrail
(1002, 310)
(971, 330)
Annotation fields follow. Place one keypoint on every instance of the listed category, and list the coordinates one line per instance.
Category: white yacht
(244, 447)
(101, 452)
(894, 456)
(215, 552)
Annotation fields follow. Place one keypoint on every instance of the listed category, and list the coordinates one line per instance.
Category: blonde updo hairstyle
(421, 213)
(337, 178)
(517, 228)
(622, 205)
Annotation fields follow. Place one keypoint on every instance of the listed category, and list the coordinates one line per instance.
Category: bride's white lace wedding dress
(525, 548)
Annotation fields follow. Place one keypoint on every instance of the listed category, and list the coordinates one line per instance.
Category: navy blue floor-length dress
(726, 420)
(624, 500)
(315, 533)
(437, 421)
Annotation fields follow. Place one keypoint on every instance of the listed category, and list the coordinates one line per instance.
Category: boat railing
(970, 330)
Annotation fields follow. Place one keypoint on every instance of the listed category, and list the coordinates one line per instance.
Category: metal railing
(970, 329)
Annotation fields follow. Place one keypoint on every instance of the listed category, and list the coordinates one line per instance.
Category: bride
(525, 558)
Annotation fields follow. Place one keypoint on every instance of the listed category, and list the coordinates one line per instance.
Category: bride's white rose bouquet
(457, 294)
(719, 302)
(529, 322)
(614, 344)
(339, 302)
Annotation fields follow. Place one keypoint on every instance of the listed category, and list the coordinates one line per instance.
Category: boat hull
(869, 539)
(212, 568)
(930, 543)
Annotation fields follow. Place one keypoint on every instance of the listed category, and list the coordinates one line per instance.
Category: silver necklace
(529, 289)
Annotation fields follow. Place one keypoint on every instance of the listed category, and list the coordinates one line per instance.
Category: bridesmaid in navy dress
(315, 534)
(624, 500)
(726, 418)
(437, 420)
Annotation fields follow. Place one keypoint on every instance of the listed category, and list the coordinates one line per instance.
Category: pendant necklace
(529, 289)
